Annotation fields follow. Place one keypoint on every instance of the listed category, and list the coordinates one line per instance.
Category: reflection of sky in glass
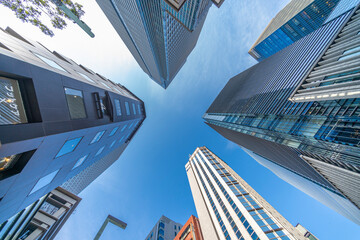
(97, 137)
(69, 146)
(73, 92)
(113, 131)
(86, 77)
(49, 62)
(80, 161)
(100, 151)
(44, 181)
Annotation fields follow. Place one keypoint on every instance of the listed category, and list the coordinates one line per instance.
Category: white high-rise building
(227, 207)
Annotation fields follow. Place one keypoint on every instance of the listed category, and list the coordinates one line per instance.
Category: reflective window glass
(80, 161)
(113, 131)
(85, 76)
(75, 101)
(117, 107)
(127, 108)
(134, 108)
(49, 62)
(97, 137)
(44, 181)
(69, 146)
(100, 151)
(12, 109)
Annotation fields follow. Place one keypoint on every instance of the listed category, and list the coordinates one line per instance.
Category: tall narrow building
(297, 112)
(164, 229)
(160, 34)
(296, 20)
(227, 207)
(58, 121)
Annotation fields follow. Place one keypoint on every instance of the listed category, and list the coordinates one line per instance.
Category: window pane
(123, 128)
(139, 109)
(100, 151)
(117, 107)
(44, 181)
(86, 77)
(113, 131)
(49, 62)
(112, 144)
(75, 101)
(69, 146)
(80, 161)
(134, 108)
(12, 110)
(127, 108)
(8, 162)
(97, 137)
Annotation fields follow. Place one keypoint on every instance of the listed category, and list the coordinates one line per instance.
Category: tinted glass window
(75, 101)
(49, 62)
(80, 161)
(12, 109)
(127, 108)
(134, 108)
(69, 146)
(86, 77)
(117, 107)
(113, 131)
(44, 181)
(139, 109)
(97, 137)
(100, 151)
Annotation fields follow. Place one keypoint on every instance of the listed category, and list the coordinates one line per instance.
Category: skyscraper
(164, 229)
(296, 20)
(299, 110)
(42, 219)
(160, 34)
(57, 119)
(227, 207)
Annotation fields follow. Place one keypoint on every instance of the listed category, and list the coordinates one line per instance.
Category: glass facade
(306, 21)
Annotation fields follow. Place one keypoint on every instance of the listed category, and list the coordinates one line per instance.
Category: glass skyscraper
(160, 34)
(296, 20)
(300, 109)
(164, 229)
(228, 208)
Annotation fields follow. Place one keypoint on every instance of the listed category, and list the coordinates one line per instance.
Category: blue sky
(149, 179)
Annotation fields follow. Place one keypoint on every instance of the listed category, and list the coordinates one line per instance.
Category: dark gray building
(57, 119)
(299, 110)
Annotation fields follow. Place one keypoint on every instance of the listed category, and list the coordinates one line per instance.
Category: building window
(123, 128)
(113, 143)
(127, 108)
(97, 137)
(8, 162)
(117, 107)
(113, 131)
(69, 146)
(105, 85)
(100, 151)
(162, 225)
(86, 77)
(75, 101)
(44, 181)
(49, 62)
(80, 161)
(134, 108)
(139, 109)
(12, 110)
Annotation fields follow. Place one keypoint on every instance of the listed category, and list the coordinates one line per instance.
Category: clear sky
(149, 179)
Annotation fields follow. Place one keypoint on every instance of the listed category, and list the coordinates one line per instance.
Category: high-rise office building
(160, 34)
(190, 231)
(299, 109)
(296, 20)
(57, 119)
(227, 207)
(42, 219)
(164, 229)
